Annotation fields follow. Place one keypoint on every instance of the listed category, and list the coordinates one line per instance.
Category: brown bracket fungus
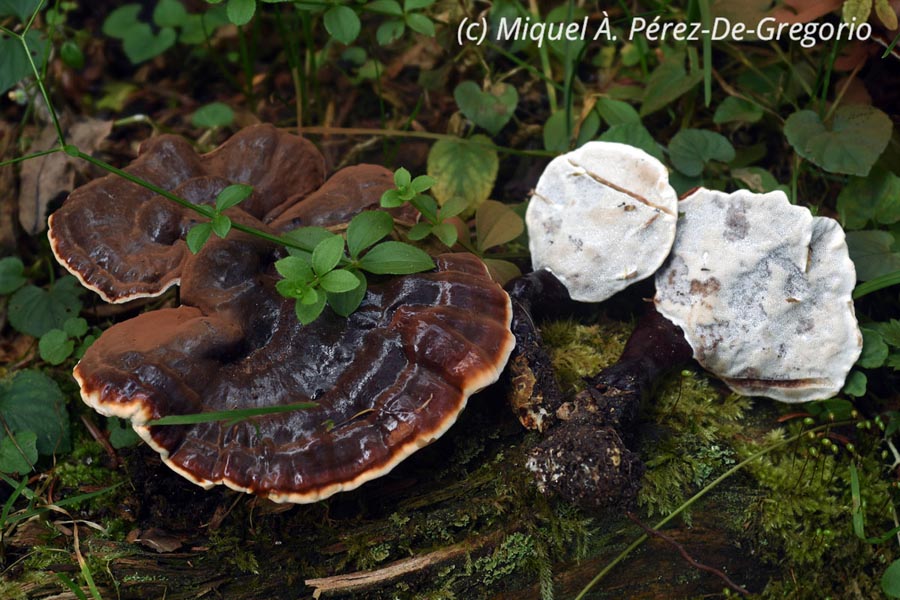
(601, 218)
(762, 290)
(387, 380)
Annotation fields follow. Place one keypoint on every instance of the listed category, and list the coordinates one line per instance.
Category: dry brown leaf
(156, 539)
(41, 180)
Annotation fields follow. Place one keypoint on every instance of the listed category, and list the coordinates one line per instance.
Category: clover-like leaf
(33, 402)
(35, 311)
(490, 109)
(496, 224)
(55, 346)
(463, 168)
(342, 24)
(11, 274)
(691, 149)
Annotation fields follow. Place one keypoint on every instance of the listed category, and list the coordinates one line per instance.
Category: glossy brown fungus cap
(386, 381)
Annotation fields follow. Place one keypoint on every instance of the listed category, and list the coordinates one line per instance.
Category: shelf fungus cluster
(386, 381)
(757, 290)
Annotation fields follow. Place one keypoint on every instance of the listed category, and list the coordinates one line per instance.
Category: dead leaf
(156, 539)
(42, 180)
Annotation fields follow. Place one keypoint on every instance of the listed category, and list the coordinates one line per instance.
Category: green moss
(578, 351)
(513, 553)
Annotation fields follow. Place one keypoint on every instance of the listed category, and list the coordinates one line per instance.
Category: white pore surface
(762, 290)
(601, 218)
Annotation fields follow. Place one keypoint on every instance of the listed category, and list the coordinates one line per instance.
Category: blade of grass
(879, 283)
(706, 19)
(73, 587)
(229, 415)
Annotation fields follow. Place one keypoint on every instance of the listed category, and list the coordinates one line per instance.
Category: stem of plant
(693, 499)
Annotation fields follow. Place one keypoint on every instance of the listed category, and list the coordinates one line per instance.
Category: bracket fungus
(601, 218)
(386, 381)
(763, 293)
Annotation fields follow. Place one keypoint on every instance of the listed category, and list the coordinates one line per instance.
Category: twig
(687, 557)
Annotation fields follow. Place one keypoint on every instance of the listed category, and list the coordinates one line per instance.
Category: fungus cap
(762, 290)
(601, 218)
(386, 381)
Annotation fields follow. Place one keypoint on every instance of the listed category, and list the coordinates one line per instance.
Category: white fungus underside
(601, 218)
(762, 290)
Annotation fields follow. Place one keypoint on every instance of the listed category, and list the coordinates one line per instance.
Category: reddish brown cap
(388, 380)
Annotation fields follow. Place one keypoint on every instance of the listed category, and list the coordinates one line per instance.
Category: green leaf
(230, 415)
(215, 114)
(419, 231)
(691, 149)
(850, 144)
(390, 31)
(339, 281)
(35, 311)
(422, 183)
(890, 331)
(121, 436)
(886, 14)
(633, 134)
(294, 268)
(342, 24)
(385, 7)
(345, 303)
(856, 11)
(11, 274)
(890, 580)
(873, 254)
(496, 224)
(121, 20)
(668, 82)
(737, 109)
(557, 132)
(411, 5)
(366, 228)
(140, 43)
(502, 270)
(169, 13)
(308, 237)
(221, 225)
(756, 179)
(240, 11)
(31, 401)
(874, 351)
(232, 196)
(307, 313)
(465, 169)
(453, 207)
(402, 178)
(875, 198)
(588, 128)
(856, 384)
(309, 296)
(420, 24)
(445, 232)
(327, 254)
(14, 64)
(391, 199)
(18, 455)
(616, 112)
(197, 236)
(72, 55)
(20, 8)
(75, 327)
(490, 109)
(55, 346)
(395, 258)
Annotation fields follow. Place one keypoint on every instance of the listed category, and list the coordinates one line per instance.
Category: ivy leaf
(342, 24)
(464, 169)
(221, 225)
(169, 13)
(140, 43)
(327, 254)
(197, 236)
(214, 114)
(35, 311)
(18, 454)
(119, 21)
(366, 228)
(232, 196)
(11, 274)
(856, 384)
(734, 109)
(240, 11)
(121, 436)
(850, 144)
(345, 303)
(339, 281)
(874, 198)
(33, 402)
(691, 149)
(873, 253)
(395, 258)
(496, 224)
(55, 346)
(307, 313)
(491, 109)
(874, 351)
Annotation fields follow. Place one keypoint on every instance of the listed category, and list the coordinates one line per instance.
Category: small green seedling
(219, 223)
